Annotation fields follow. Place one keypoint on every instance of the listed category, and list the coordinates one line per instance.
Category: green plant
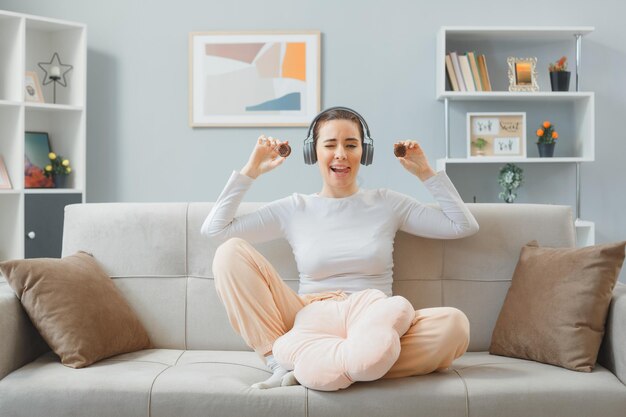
(546, 133)
(480, 143)
(558, 66)
(58, 166)
(510, 179)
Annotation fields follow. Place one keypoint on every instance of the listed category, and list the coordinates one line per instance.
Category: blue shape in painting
(289, 101)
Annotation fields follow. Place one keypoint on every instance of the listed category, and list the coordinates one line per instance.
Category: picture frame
(496, 135)
(522, 74)
(254, 78)
(36, 150)
(5, 180)
(32, 88)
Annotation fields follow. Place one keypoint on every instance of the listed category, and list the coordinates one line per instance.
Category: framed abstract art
(253, 78)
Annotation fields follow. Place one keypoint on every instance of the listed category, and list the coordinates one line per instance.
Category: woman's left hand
(415, 160)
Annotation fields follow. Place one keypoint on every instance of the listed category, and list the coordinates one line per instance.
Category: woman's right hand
(264, 157)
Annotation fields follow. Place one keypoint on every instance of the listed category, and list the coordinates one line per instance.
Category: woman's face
(339, 157)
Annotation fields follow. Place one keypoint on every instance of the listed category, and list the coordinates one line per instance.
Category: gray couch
(200, 367)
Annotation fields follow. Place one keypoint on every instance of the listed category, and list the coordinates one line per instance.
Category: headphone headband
(366, 129)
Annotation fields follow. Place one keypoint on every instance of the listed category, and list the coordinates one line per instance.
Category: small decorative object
(36, 150)
(58, 168)
(5, 181)
(546, 139)
(254, 78)
(284, 150)
(510, 180)
(55, 71)
(399, 150)
(496, 135)
(522, 74)
(559, 76)
(32, 88)
(480, 144)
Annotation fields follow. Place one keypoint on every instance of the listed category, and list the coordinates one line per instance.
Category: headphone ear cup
(368, 154)
(310, 157)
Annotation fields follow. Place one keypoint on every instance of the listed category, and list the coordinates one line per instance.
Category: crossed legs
(261, 308)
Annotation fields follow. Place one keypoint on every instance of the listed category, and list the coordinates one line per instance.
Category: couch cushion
(162, 382)
(556, 307)
(76, 308)
(161, 242)
(498, 386)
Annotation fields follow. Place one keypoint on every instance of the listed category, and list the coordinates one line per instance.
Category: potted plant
(59, 168)
(559, 76)
(546, 139)
(480, 145)
(510, 179)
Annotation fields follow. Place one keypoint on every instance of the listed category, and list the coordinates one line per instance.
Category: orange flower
(539, 132)
(555, 135)
(546, 124)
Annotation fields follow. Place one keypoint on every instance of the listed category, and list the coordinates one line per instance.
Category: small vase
(559, 80)
(60, 181)
(546, 150)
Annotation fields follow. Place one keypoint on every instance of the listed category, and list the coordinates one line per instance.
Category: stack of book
(467, 72)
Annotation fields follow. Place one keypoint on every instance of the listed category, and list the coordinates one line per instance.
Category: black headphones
(310, 156)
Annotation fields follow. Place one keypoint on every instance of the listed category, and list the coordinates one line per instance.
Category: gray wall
(376, 57)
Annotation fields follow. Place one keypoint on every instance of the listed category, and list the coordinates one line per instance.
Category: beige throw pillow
(556, 307)
(76, 308)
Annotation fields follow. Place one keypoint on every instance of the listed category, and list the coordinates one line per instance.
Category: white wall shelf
(497, 43)
(26, 40)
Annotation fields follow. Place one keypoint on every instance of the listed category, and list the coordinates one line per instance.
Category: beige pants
(261, 308)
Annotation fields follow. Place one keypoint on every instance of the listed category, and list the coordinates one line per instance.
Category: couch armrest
(20, 342)
(612, 353)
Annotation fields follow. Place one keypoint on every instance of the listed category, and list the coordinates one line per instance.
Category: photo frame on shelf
(36, 150)
(496, 135)
(522, 74)
(32, 88)
(254, 78)
(5, 181)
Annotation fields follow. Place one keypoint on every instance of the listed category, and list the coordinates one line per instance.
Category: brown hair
(336, 114)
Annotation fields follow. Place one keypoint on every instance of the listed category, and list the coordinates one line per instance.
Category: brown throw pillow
(557, 305)
(76, 308)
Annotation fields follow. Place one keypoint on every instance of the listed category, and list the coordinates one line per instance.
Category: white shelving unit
(26, 40)
(546, 43)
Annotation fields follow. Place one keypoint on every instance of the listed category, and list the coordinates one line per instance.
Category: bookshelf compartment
(43, 39)
(11, 58)
(65, 131)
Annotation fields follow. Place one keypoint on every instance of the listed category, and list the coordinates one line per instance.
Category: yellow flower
(52, 156)
(48, 168)
(68, 170)
(546, 124)
(66, 162)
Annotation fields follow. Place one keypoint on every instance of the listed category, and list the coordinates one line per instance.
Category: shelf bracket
(446, 124)
(577, 190)
(579, 38)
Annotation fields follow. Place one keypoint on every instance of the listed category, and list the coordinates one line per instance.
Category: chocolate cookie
(284, 150)
(399, 150)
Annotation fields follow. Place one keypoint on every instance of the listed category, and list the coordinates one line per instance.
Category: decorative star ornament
(63, 69)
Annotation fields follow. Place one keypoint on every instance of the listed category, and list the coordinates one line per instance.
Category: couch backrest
(157, 257)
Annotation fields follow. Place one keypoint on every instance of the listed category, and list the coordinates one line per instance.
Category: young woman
(342, 239)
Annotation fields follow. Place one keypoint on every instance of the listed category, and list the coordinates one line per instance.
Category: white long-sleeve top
(341, 243)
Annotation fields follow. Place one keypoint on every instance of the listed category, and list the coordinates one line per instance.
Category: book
(482, 64)
(475, 73)
(467, 73)
(451, 74)
(457, 71)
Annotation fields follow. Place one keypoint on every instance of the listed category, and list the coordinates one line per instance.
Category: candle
(55, 71)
